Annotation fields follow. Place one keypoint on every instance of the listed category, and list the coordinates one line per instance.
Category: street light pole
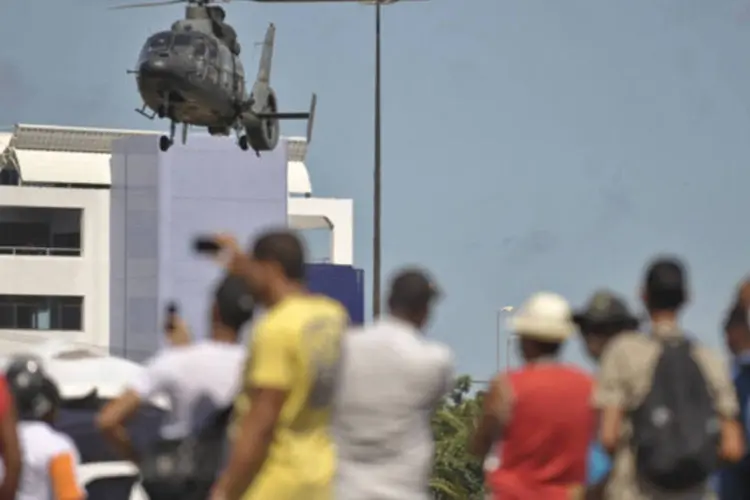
(376, 195)
(498, 335)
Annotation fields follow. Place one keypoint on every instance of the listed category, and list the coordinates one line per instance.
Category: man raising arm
(283, 449)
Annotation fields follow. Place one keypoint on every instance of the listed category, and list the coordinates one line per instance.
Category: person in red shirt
(10, 451)
(539, 416)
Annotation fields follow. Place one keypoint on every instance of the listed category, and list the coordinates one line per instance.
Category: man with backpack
(667, 403)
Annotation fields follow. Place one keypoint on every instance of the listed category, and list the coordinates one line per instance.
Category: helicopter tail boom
(266, 57)
(309, 116)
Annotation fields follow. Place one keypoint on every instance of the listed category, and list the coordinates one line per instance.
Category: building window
(41, 231)
(37, 312)
(9, 176)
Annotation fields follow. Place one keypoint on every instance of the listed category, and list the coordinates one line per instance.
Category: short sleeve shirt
(296, 348)
(624, 380)
(198, 379)
(51, 464)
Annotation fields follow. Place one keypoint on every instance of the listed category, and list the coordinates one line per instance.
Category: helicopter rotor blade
(147, 4)
(363, 2)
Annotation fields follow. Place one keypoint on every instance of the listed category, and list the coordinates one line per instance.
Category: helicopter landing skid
(142, 111)
(166, 142)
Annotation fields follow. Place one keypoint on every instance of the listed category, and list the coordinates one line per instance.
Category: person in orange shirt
(50, 459)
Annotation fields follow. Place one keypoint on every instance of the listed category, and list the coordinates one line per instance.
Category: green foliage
(457, 475)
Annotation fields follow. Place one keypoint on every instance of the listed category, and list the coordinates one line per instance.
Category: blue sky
(528, 144)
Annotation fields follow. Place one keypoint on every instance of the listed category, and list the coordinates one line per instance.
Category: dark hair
(285, 249)
(666, 287)
(234, 302)
(411, 292)
(547, 348)
(736, 318)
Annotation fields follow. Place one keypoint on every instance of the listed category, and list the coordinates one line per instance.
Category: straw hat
(545, 316)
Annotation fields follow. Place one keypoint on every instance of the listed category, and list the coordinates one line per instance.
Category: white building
(54, 231)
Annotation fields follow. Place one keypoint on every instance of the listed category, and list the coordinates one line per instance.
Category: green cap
(604, 307)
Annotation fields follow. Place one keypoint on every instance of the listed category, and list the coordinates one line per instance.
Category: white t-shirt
(50, 462)
(197, 379)
(392, 379)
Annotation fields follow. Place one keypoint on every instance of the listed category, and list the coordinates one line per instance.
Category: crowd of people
(663, 417)
(315, 409)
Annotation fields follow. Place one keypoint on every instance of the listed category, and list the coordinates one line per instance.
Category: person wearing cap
(199, 378)
(605, 316)
(540, 414)
(392, 379)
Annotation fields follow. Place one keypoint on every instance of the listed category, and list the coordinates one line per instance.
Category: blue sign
(343, 283)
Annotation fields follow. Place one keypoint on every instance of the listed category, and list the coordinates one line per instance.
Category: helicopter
(192, 75)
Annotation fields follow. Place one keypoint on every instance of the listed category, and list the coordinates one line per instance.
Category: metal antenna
(377, 176)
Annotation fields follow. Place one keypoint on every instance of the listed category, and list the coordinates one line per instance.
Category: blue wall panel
(160, 202)
(343, 283)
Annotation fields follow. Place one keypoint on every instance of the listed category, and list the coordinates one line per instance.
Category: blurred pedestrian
(282, 444)
(392, 380)
(605, 316)
(667, 403)
(198, 378)
(10, 451)
(734, 479)
(51, 462)
(541, 413)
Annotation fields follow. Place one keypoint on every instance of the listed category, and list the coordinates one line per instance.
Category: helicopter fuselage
(191, 77)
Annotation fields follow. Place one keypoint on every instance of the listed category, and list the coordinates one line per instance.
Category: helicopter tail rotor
(311, 118)
(266, 56)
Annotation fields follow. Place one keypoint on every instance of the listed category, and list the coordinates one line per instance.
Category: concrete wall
(85, 276)
(160, 203)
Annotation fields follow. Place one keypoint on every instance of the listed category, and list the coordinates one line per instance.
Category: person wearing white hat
(540, 412)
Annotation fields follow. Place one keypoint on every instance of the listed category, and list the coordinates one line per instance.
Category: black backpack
(676, 429)
(186, 469)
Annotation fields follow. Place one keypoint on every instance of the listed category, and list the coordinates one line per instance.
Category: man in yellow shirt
(282, 446)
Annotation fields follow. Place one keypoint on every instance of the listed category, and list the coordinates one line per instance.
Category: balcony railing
(41, 251)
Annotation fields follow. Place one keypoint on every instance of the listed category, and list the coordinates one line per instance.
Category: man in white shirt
(391, 382)
(199, 378)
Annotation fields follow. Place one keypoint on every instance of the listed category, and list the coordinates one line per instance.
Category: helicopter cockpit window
(182, 40)
(159, 41)
(199, 49)
(213, 50)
